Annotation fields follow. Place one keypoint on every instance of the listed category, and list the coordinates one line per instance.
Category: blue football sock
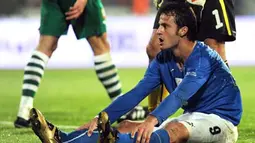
(159, 136)
(125, 138)
(79, 137)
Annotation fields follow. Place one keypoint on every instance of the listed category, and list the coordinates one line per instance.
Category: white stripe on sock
(103, 65)
(37, 61)
(107, 73)
(32, 77)
(35, 69)
(111, 80)
(102, 57)
(30, 87)
(26, 103)
(44, 57)
(114, 88)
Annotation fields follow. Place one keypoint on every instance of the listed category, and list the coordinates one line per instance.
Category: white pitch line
(8, 123)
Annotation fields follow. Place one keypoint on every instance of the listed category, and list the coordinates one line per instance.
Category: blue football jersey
(204, 84)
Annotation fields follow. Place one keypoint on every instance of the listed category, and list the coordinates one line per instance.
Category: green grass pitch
(72, 97)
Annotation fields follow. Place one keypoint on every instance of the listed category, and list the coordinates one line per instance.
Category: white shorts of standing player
(206, 128)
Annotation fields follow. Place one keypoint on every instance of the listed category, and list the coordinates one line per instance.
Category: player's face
(167, 32)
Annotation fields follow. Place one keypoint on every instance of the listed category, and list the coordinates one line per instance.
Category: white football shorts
(206, 128)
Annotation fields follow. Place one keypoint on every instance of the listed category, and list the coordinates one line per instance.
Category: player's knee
(178, 132)
(152, 48)
(127, 126)
(218, 46)
(99, 44)
(213, 43)
(47, 44)
(123, 125)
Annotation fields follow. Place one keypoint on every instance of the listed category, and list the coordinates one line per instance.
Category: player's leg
(52, 26)
(105, 69)
(92, 26)
(49, 133)
(217, 46)
(111, 135)
(200, 127)
(218, 25)
(152, 49)
(33, 74)
(127, 126)
(159, 136)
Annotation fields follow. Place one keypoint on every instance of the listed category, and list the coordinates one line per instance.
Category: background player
(87, 18)
(208, 93)
(216, 25)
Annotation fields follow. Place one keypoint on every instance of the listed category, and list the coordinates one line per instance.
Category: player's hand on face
(91, 126)
(144, 130)
(76, 10)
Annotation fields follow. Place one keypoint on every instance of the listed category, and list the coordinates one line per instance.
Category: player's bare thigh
(99, 44)
(47, 44)
(152, 48)
(217, 46)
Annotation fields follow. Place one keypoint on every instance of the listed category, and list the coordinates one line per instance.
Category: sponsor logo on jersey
(191, 73)
(178, 81)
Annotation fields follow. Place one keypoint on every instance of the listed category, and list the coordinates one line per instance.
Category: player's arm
(195, 77)
(128, 101)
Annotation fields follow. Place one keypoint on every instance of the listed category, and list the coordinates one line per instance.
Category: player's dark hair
(184, 16)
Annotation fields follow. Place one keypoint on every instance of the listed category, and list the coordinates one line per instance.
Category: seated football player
(197, 78)
(216, 20)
